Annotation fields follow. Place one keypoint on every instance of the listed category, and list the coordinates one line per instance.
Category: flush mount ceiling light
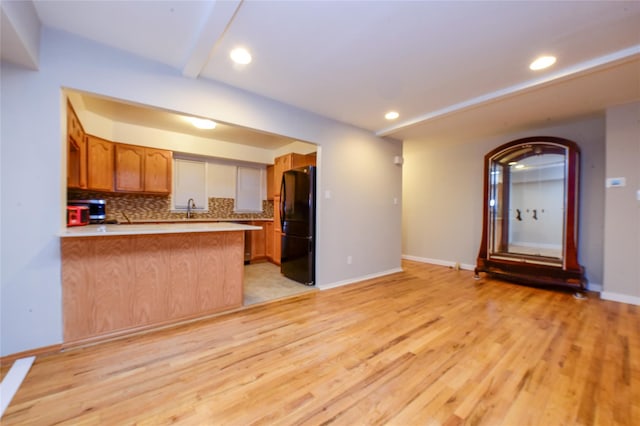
(542, 62)
(202, 123)
(391, 115)
(240, 55)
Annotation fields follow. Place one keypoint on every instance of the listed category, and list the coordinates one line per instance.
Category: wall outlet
(349, 260)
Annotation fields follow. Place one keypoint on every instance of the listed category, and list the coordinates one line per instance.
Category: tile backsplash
(158, 207)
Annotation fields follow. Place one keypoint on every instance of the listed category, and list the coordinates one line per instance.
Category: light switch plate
(616, 182)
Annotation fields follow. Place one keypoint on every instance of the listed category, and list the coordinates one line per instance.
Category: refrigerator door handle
(283, 197)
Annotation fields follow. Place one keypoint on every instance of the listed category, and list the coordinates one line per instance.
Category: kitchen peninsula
(119, 279)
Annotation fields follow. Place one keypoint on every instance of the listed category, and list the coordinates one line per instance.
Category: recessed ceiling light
(240, 55)
(542, 62)
(202, 123)
(391, 115)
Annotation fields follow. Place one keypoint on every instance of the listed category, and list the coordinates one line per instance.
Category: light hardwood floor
(427, 346)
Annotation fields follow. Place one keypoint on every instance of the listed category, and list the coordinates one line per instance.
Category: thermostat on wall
(617, 181)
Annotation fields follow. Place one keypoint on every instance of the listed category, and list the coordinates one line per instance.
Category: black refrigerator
(298, 221)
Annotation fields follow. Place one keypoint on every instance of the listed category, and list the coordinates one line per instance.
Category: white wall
(443, 184)
(359, 219)
(622, 214)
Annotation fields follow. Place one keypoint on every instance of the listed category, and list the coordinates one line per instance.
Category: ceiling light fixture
(240, 55)
(542, 62)
(202, 123)
(391, 115)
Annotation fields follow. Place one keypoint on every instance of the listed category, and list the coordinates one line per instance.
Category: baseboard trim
(359, 279)
(45, 350)
(594, 287)
(622, 298)
(448, 263)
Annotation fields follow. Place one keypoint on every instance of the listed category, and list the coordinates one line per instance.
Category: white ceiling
(449, 68)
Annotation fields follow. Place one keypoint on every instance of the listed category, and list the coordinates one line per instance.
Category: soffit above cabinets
(145, 116)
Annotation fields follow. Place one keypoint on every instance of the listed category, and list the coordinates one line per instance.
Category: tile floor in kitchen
(264, 282)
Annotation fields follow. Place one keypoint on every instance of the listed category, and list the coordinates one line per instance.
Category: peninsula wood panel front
(116, 284)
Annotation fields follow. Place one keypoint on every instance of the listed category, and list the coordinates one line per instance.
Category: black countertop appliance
(298, 220)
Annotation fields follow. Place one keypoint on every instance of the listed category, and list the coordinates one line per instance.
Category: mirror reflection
(527, 203)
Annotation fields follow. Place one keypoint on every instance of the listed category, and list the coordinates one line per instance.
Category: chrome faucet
(190, 205)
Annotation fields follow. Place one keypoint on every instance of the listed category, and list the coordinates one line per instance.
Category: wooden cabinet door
(268, 240)
(276, 213)
(281, 164)
(299, 160)
(100, 161)
(76, 163)
(277, 246)
(258, 238)
(270, 184)
(157, 170)
(74, 128)
(76, 151)
(129, 168)
(276, 230)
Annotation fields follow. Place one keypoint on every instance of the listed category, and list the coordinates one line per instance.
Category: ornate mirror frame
(530, 213)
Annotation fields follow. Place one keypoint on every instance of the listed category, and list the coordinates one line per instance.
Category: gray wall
(360, 218)
(622, 217)
(443, 184)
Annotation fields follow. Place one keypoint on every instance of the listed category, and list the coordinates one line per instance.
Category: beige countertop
(153, 228)
(199, 220)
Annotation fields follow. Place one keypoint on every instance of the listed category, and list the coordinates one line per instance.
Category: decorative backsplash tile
(158, 207)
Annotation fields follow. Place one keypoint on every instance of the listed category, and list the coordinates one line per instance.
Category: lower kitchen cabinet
(258, 240)
(119, 284)
(277, 246)
(277, 231)
(268, 230)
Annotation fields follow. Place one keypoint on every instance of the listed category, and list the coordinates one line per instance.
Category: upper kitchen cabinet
(129, 168)
(288, 162)
(76, 151)
(157, 170)
(99, 163)
(140, 169)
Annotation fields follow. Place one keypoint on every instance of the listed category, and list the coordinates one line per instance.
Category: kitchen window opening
(248, 190)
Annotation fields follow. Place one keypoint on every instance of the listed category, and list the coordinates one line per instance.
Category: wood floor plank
(429, 345)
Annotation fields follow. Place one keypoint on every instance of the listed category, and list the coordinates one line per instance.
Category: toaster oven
(97, 209)
(77, 215)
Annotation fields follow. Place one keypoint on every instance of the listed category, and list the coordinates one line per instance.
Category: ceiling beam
(582, 68)
(220, 18)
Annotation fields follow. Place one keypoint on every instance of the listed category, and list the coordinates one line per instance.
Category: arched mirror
(530, 212)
